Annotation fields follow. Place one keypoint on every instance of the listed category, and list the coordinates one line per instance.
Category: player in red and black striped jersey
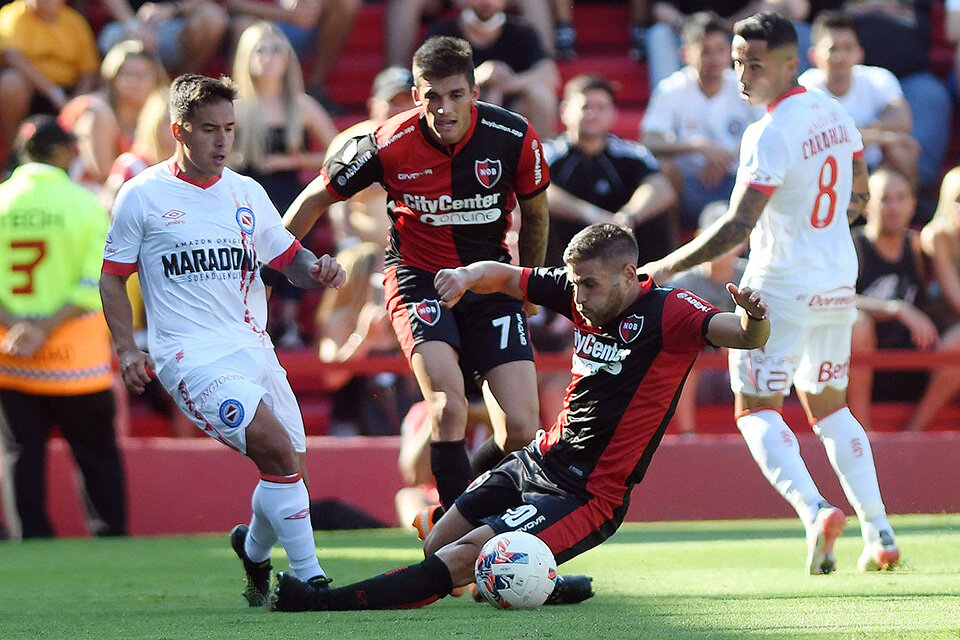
(635, 344)
(454, 170)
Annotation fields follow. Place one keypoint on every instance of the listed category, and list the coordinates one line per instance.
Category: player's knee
(522, 426)
(460, 557)
(449, 415)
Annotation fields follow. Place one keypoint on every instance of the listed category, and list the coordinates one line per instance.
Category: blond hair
(118, 55)
(154, 114)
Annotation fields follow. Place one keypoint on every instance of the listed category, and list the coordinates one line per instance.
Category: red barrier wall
(189, 486)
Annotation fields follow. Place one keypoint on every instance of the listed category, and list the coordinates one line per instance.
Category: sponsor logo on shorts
(231, 413)
(518, 515)
(630, 327)
(478, 481)
(488, 171)
(428, 311)
(299, 515)
(839, 298)
(246, 220)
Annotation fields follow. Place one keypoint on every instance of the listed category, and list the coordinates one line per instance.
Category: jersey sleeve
(658, 118)
(549, 287)
(86, 294)
(533, 174)
(122, 248)
(685, 321)
(886, 85)
(353, 168)
(274, 244)
(764, 159)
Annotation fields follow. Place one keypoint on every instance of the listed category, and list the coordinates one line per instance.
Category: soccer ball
(515, 570)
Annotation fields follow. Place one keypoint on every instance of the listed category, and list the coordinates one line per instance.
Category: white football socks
(848, 449)
(777, 452)
(284, 507)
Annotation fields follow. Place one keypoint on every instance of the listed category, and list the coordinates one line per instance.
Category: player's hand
(328, 272)
(136, 369)
(450, 284)
(923, 332)
(657, 270)
(749, 299)
(23, 340)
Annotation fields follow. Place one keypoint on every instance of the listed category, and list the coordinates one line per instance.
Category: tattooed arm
(860, 193)
(746, 205)
(534, 219)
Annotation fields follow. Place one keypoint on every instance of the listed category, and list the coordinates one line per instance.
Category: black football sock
(451, 468)
(487, 456)
(412, 586)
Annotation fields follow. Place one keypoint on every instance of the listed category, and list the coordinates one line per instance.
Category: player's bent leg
(451, 527)
(438, 374)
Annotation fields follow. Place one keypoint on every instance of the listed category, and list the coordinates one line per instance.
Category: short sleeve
(549, 287)
(886, 86)
(353, 168)
(274, 244)
(86, 295)
(658, 118)
(764, 158)
(122, 248)
(533, 174)
(685, 321)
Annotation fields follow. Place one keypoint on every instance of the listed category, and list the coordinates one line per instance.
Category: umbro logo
(174, 214)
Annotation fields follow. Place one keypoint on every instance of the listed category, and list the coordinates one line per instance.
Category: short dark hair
(603, 241)
(39, 137)
(442, 57)
(769, 27)
(192, 90)
(831, 20)
(579, 85)
(700, 25)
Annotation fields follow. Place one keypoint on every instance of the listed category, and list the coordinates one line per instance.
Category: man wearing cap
(54, 344)
(363, 218)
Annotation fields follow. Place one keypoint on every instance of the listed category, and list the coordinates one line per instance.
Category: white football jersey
(801, 153)
(197, 249)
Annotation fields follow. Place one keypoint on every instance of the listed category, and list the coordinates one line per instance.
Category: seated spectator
(889, 300)
(708, 280)
(951, 29)
(940, 241)
(281, 131)
(565, 32)
(364, 218)
(185, 34)
(104, 122)
(696, 118)
(48, 55)
(871, 95)
(663, 39)
(512, 66)
(317, 30)
(896, 36)
(352, 323)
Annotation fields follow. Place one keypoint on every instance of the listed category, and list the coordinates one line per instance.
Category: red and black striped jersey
(450, 204)
(627, 376)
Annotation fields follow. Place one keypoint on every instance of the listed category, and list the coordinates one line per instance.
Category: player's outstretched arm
(741, 332)
(312, 202)
(307, 271)
(479, 277)
(746, 205)
(135, 365)
(860, 192)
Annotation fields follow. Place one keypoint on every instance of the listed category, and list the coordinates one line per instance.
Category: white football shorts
(809, 345)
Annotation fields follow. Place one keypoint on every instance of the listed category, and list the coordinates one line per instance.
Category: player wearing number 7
(802, 180)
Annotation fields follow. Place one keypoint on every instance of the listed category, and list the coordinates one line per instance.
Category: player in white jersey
(197, 232)
(801, 181)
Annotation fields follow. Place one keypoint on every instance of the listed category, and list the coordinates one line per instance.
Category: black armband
(270, 276)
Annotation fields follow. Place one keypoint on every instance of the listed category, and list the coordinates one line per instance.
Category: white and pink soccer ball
(515, 570)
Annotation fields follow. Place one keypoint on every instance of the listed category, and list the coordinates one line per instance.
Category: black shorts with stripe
(487, 330)
(517, 495)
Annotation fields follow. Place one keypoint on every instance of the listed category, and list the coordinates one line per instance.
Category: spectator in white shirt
(696, 117)
(871, 95)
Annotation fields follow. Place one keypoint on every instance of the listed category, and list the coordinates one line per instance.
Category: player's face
(837, 51)
(764, 74)
(446, 102)
(590, 114)
(207, 139)
(710, 56)
(600, 289)
(891, 204)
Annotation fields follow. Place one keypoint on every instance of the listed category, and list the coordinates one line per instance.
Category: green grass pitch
(725, 580)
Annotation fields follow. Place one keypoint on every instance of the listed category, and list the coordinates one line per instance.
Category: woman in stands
(104, 122)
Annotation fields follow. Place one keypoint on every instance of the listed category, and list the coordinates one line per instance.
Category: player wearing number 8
(802, 179)
(54, 345)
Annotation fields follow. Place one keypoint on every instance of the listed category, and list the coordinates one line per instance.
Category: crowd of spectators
(108, 89)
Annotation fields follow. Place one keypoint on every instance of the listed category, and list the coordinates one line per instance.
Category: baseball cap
(39, 135)
(390, 82)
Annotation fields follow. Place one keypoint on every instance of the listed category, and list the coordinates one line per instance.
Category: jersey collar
(445, 148)
(178, 173)
(792, 92)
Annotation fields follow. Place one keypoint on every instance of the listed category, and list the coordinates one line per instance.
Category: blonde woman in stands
(104, 122)
(352, 323)
(940, 241)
